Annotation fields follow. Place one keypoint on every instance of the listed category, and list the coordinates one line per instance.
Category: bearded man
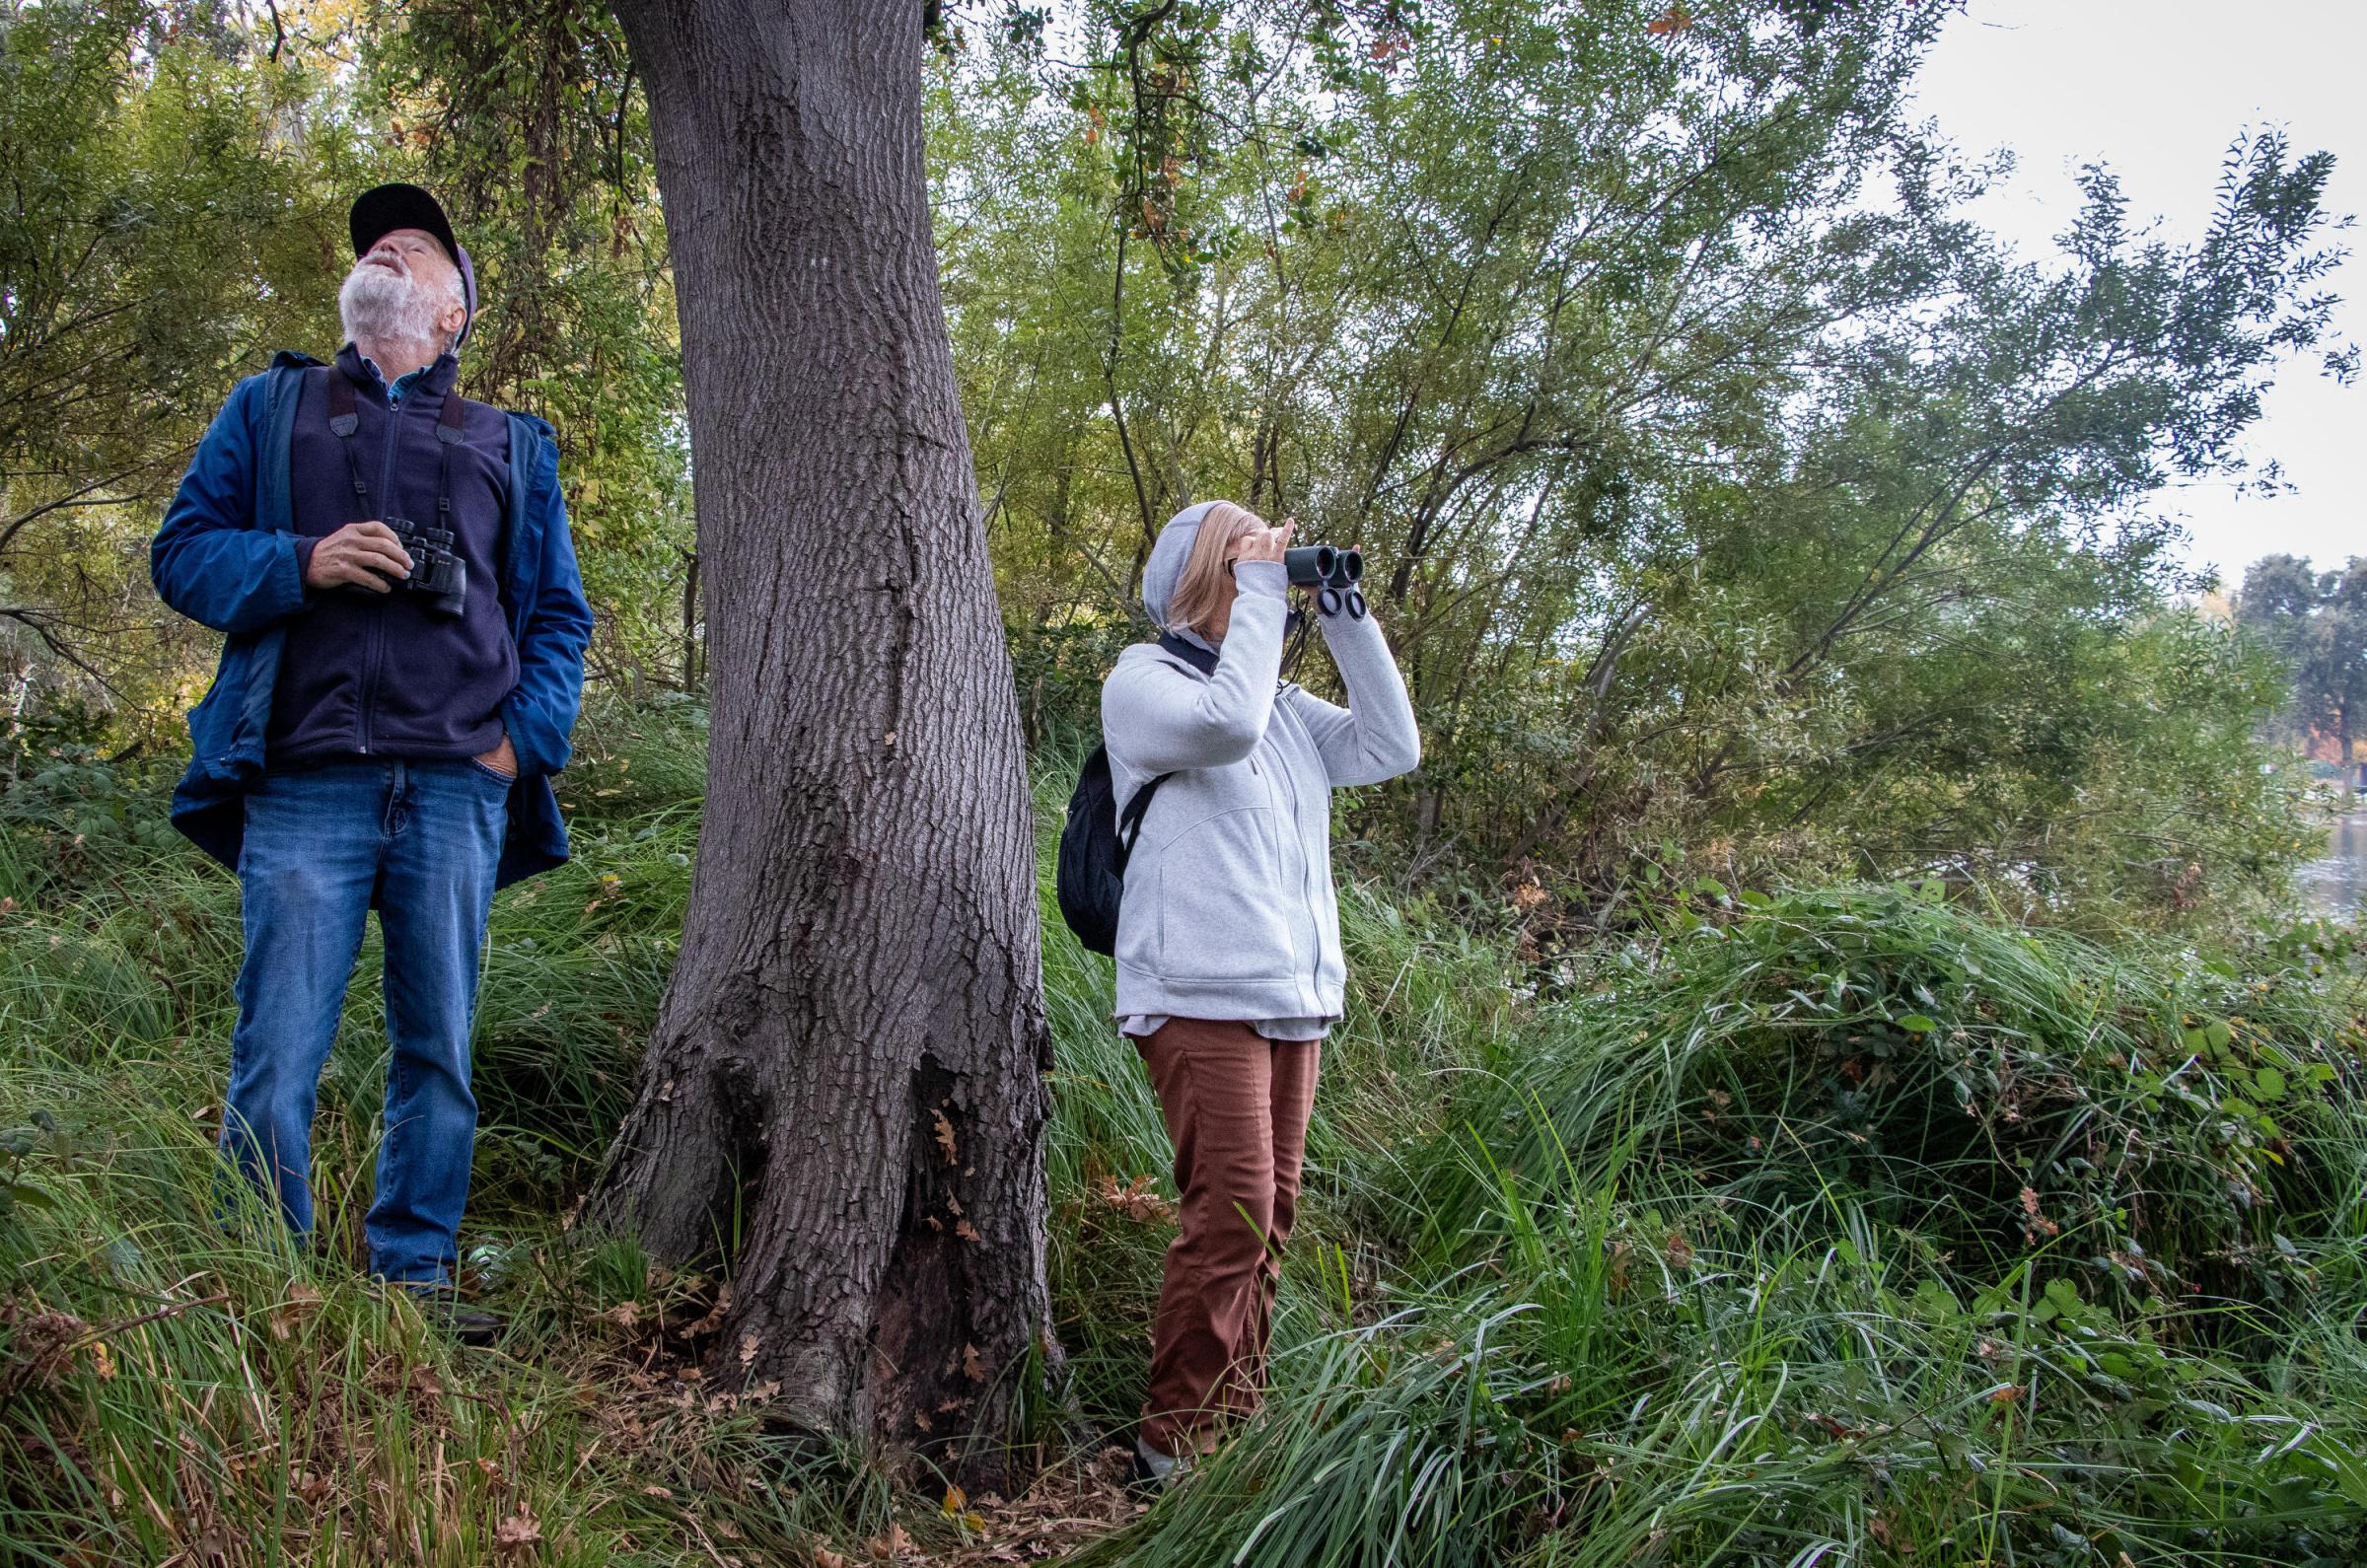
(390, 564)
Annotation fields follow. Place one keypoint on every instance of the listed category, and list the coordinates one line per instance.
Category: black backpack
(1095, 846)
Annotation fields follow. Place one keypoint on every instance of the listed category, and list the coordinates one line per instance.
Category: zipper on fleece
(372, 643)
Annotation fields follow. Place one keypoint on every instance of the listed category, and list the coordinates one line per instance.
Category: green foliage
(172, 207)
(1845, 1223)
(1720, 480)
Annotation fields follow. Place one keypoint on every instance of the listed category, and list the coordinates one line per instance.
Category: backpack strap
(1130, 821)
(343, 418)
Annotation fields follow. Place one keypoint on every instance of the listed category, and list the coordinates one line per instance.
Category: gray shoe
(1155, 1472)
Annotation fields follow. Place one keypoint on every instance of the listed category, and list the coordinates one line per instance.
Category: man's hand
(503, 758)
(361, 554)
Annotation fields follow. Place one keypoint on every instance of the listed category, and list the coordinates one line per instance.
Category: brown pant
(1236, 1105)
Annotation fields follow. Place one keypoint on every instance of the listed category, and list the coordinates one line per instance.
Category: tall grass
(1846, 1225)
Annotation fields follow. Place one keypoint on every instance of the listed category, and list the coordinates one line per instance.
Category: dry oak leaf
(519, 1532)
(1670, 22)
(945, 1135)
(1137, 1200)
(302, 1300)
(888, 1546)
(2007, 1394)
(973, 1366)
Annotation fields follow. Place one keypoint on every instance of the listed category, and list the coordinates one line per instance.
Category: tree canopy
(1723, 483)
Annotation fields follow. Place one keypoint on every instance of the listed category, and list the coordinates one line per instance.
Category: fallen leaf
(747, 1349)
(945, 1136)
(302, 1301)
(2008, 1395)
(518, 1531)
(974, 1365)
(967, 1230)
(1137, 1200)
(715, 1314)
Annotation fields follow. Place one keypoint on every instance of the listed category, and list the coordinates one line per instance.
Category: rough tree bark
(844, 1099)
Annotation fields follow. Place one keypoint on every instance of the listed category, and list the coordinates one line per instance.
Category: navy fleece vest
(365, 674)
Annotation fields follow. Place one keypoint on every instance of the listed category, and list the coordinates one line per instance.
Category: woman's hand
(1264, 545)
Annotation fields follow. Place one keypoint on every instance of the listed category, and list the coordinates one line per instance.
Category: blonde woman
(1229, 966)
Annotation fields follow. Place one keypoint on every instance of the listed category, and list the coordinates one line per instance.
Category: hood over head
(1165, 569)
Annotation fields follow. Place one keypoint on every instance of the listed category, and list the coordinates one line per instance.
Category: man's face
(407, 276)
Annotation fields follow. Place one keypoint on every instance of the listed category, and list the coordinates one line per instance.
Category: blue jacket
(227, 558)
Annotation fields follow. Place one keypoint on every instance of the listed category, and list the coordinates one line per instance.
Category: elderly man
(390, 566)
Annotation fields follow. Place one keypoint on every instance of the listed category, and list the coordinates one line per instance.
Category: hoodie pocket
(1220, 915)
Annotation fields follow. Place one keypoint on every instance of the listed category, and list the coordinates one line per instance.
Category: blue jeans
(417, 841)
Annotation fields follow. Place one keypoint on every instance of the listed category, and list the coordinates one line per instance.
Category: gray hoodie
(1229, 909)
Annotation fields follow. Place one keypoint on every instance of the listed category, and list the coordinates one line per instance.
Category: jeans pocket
(505, 780)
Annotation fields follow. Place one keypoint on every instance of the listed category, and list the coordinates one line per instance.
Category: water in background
(2338, 884)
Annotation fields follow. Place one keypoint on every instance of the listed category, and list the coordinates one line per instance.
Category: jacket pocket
(1220, 914)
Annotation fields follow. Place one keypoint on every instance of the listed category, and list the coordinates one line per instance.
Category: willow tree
(844, 1097)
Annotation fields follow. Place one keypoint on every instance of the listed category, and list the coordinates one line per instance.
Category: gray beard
(383, 307)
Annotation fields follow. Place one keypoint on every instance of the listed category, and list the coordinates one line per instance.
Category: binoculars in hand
(1333, 573)
(439, 573)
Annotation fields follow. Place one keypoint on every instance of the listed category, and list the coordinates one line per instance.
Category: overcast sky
(2156, 89)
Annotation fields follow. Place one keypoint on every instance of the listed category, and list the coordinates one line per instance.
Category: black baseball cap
(382, 209)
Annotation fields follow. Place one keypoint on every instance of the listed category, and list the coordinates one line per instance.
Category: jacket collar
(364, 372)
(1200, 659)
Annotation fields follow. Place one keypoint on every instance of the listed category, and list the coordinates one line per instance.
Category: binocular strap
(344, 418)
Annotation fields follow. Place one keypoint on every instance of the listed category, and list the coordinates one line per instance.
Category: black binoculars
(438, 574)
(1333, 573)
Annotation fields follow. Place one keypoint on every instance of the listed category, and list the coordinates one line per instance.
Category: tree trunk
(845, 1100)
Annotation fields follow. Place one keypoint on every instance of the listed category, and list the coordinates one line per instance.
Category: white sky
(2156, 89)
